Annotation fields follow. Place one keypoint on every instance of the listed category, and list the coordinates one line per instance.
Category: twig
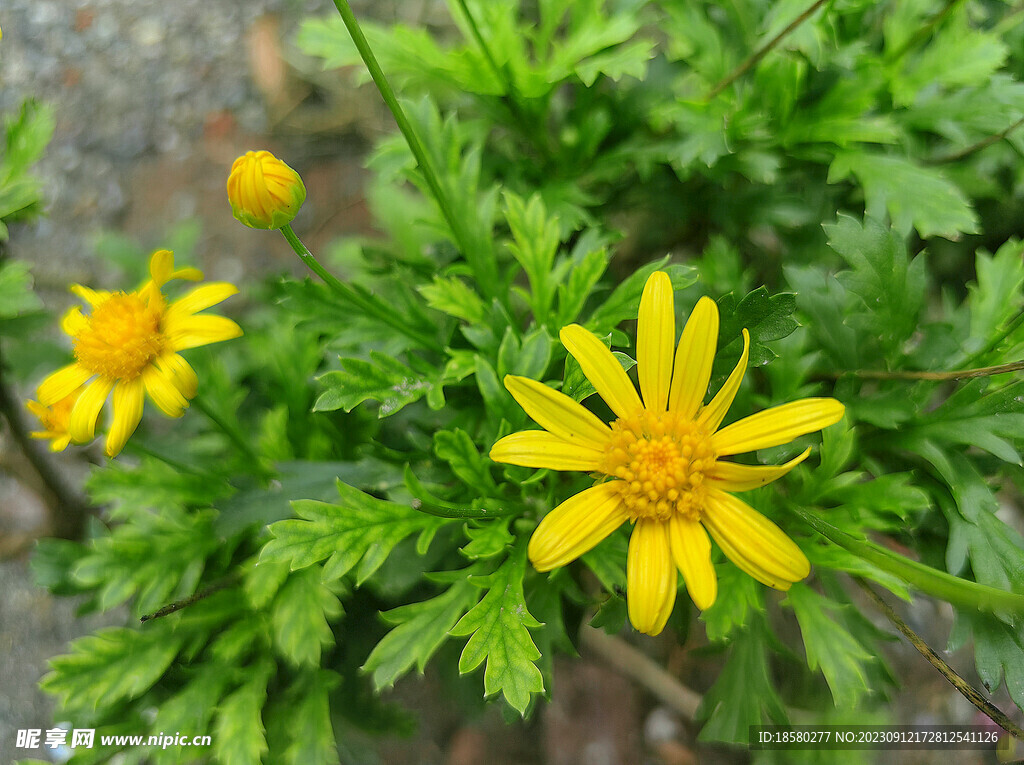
(962, 374)
(639, 668)
(763, 51)
(70, 508)
(177, 605)
(984, 143)
(966, 689)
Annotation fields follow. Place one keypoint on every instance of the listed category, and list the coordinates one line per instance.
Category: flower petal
(691, 550)
(540, 449)
(651, 582)
(557, 413)
(602, 369)
(576, 526)
(694, 358)
(712, 415)
(180, 373)
(82, 422)
(655, 335)
(200, 298)
(165, 394)
(752, 542)
(89, 295)
(161, 266)
(728, 476)
(776, 426)
(62, 383)
(128, 398)
(73, 321)
(194, 331)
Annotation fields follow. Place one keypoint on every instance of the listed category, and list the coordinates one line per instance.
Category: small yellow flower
(263, 191)
(54, 420)
(660, 461)
(129, 346)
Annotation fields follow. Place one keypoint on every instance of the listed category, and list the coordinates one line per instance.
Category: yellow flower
(660, 461)
(54, 420)
(263, 191)
(129, 346)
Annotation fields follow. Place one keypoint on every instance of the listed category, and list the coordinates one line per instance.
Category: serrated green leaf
(914, 196)
(740, 599)
(624, 302)
(455, 298)
(300, 617)
(239, 736)
(830, 646)
(499, 625)
(420, 630)
(310, 727)
(383, 379)
(995, 298)
(358, 527)
(110, 666)
(487, 540)
(457, 449)
(766, 317)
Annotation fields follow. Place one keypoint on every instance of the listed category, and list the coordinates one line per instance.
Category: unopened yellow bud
(263, 191)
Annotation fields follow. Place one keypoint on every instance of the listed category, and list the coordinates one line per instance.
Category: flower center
(661, 459)
(123, 335)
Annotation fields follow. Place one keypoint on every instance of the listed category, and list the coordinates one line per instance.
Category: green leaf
(472, 468)
(995, 298)
(914, 195)
(740, 600)
(359, 530)
(997, 651)
(383, 378)
(536, 239)
(310, 727)
(16, 295)
(239, 736)
(488, 539)
(300, 617)
(574, 291)
(420, 630)
(113, 665)
(766, 317)
(744, 694)
(499, 626)
(829, 645)
(455, 298)
(624, 302)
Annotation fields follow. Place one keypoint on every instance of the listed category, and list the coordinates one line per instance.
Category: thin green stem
(984, 143)
(961, 374)
(484, 268)
(968, 691)
(353, 298)
(177, 605)
(763, 51)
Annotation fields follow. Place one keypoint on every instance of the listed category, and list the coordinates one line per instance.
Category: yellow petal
(128, 399)
(694, 358)
(776, 426)
(161, 266)
(540, 449)
(164, 393)
(60, 443)
(650, 577)
(82, 422)
(576, 526)
(655, 334)
(73, 321)
(729, 476)
(194, 331)
(200, 298)
(557, 413)
(602, 369)
(89, 295)
(180, 373)
(691, 550)
(752, 542)
(713, 414)
(62, 384)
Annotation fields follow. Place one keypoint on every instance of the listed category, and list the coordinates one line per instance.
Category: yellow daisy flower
(129, 346)
(660, 461)
(54, 420)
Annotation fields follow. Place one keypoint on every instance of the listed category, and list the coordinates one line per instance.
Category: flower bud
(263, 191)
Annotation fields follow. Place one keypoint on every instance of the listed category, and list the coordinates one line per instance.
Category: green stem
(232, 433)
(968, 691)
(485, 270)
(763, 51)
(1010, 328)
(352, 297)
(928, 580)
(956, 374)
